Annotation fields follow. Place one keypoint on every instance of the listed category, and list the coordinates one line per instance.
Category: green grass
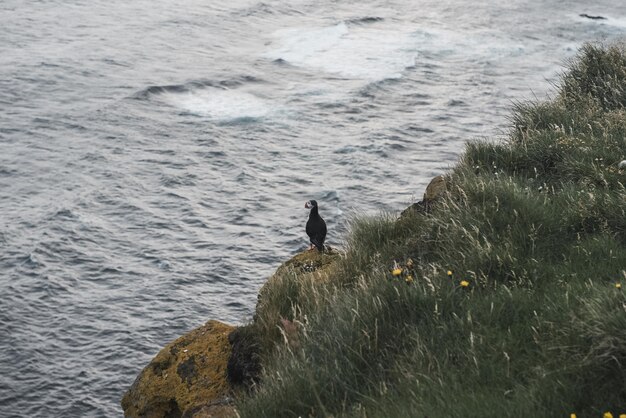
(536, 225)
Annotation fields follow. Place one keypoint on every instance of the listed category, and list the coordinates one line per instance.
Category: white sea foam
(370, 53)
(356, 52)
(619, 22)
(220, 104)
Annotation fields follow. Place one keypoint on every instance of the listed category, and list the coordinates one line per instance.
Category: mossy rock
(309, 261)
(308, 266)
(435, 189)
(186, 378)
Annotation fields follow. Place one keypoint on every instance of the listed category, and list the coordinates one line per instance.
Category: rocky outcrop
(186, 379)
(271, 324)
(434, 191)
(307, 262)
(308, 267)
(194, 376)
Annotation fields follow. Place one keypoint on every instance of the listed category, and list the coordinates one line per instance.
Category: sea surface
(155, 156)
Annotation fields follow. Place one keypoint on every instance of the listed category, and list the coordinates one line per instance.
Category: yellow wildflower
(396, 272)
(622, 415)
(409, 279)
(619, 286)
(607, 415)
(449, 272)
(572, 415)
(464, 283)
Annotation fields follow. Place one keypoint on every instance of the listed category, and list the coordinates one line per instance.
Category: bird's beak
(307, 205)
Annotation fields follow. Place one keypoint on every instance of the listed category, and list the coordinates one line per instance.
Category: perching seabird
(315, 226)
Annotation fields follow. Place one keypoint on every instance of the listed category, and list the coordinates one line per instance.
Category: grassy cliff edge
(505, 298)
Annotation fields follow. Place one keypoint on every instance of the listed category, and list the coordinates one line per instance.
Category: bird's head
(310, 204)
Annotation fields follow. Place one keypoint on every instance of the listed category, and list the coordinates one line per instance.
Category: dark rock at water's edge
(592, 17)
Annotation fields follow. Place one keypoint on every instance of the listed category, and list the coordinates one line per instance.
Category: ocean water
(155, 156)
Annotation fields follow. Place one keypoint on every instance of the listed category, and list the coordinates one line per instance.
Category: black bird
(315, 226)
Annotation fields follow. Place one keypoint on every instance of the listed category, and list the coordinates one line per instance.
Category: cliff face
(187, 378)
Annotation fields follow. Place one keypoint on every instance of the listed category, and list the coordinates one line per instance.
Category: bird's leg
(311, 247)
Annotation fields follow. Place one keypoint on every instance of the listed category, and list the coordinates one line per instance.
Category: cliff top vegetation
(507, 298)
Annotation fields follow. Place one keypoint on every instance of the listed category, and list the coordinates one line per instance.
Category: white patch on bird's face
(308, 205)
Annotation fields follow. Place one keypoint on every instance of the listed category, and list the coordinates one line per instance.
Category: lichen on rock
(187, 378)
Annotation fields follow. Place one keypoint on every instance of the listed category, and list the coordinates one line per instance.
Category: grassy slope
(536, 225)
